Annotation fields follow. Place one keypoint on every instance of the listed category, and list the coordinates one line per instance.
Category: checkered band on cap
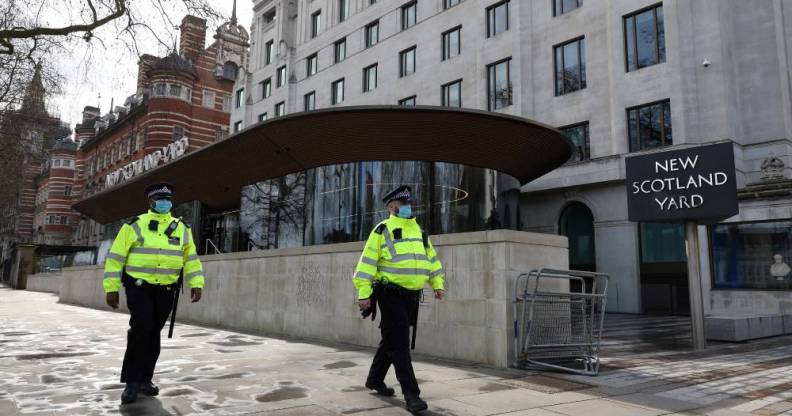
(159, 190)
(402, 192)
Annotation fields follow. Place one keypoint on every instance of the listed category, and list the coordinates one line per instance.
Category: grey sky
(111, 70)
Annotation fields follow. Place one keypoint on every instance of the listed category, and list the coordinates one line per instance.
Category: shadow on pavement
(145, 406)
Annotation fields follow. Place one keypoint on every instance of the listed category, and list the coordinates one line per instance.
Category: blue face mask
(163, 206)
(405, 211)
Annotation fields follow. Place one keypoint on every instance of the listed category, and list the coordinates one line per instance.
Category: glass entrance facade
(343, 203)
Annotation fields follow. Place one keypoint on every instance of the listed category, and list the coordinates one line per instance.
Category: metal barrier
(558, 317)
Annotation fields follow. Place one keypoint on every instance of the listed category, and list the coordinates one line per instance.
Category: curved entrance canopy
(215, 174)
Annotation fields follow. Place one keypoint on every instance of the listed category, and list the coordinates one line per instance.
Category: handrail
(210, 242)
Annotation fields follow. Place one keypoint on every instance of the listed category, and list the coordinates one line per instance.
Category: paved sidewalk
(64, 360)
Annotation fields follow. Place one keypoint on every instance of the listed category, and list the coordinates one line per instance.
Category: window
(452, 43)
(409, 15)
(452, 94)
(450, 3)
(337, 91)
(562, 6)
(67, 190)
(339, 50)
(372, 34)
(266, 88)
(369, 78)
(112, 155)
(178, 133)
(499, 88)
(269, 17)
(133, 141)
(498, 18)
(343, 10)
(579, 134)
(237, 126)
(230, 71)
(63, 220)
(316, 23)
(372, 2)
(240, 97)
(311, 64)
(208, 98)
(262, 117)
(649, 126)
(280, 108)
(51, 219)
(407, 62)
(408, 102)
(56, 163)
(227, 103)
(644, 38)
(269, 51)
(281, 76)
(752, 255)
(570, 66)
(309, 101)
(175, 90)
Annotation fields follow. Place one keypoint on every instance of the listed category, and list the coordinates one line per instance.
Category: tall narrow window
(452, 42)
(281, 76)
(570, 66)
(579, 134)
(499, 87)
(316, 23)
(208, 98)
(409, 15)
(226, 104)
(237, 126)
(309, 101)
(649, 126)
(269, 51)
(337, 91)
(372, 34)
(262, 117)
(408, 102)
(67, 190)
(266, 88)
(178, 133)
(280, 108)
(450, 3)
(407, 62)
(644, 38)
(498, 18)
(452, 94)
(369, 78)
(562, 6)
(269, 17)
(311, 64)
(343, 10)
(339, 50)
(240, 98)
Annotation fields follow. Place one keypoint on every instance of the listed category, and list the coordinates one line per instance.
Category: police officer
(396, 263)
(147, 257)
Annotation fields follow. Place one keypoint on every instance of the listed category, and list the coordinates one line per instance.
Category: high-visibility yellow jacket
(395, 254)
(152, 256)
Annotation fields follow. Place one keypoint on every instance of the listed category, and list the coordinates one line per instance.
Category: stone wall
(48, 282)
(307, 292)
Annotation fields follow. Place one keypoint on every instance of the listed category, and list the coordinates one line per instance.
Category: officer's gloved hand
(195, 294)
(112, 299)
(439, 294)
(364, 304)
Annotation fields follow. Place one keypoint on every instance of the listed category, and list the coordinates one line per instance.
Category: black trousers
(149, 307)
(395, 309)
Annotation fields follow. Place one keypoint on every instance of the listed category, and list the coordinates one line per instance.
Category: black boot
(149, 389)
(130, 393)
(415, 404)
(381, 388)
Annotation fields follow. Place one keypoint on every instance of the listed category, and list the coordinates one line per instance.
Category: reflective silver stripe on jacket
(162, 251)
(394, 270)
(185, 237)
(402, 240)
(367, 260)
(433, 260)
(403, 257)
(152, 270)
(364, 275)
(192, 257)
(436, 273)
(111, 275)
(389, 243)
(115, 256)
(139, 234)
(193, 274)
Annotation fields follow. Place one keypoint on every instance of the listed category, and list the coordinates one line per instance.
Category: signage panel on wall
(697, 183)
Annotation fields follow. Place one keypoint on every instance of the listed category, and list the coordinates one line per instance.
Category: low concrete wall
(46, 282)
(750, 302)
(307, 292)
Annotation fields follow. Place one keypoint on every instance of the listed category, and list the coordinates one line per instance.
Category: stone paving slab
(64, 360)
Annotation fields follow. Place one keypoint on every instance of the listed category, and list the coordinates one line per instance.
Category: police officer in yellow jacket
(148, 256)
(396, 264)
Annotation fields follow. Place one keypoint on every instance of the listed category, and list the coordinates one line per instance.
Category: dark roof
(174, 62)
(216, 173)
(65, 144)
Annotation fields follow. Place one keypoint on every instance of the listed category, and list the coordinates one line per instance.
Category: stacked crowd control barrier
(558, 318)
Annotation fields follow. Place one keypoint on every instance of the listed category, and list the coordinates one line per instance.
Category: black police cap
(401, 193)
(159, 190)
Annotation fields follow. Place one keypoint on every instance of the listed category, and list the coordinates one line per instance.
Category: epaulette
(133, 220)
(380, 228)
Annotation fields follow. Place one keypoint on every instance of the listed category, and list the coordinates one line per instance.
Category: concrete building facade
(620, 77)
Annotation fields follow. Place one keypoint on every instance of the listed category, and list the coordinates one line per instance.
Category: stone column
(617, 245)
(23, 266)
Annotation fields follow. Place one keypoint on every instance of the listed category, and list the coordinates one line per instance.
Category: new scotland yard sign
(697, 183)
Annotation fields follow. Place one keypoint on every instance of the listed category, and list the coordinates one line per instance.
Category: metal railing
(211, 243)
